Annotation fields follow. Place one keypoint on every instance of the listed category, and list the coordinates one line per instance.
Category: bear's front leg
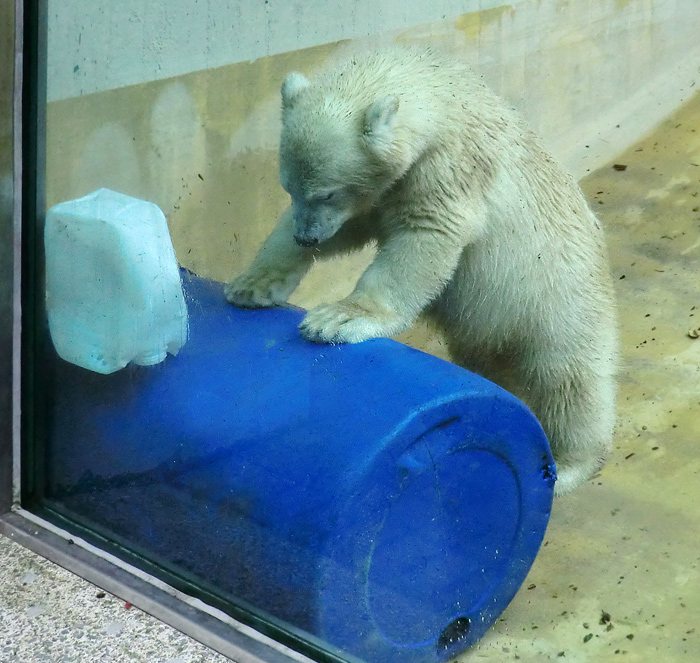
(276, 271)
(411, 268)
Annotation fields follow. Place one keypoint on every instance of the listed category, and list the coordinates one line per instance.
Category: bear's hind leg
(575, 403)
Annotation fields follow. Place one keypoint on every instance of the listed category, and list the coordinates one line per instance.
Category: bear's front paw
(345, 322)
(256, 290)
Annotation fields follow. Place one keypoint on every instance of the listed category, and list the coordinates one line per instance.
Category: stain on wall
(473, 24)
(202, 146)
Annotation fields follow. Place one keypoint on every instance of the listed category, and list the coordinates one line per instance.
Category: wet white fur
(476, 226)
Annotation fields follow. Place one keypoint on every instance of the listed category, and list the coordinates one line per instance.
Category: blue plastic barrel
(380, 499)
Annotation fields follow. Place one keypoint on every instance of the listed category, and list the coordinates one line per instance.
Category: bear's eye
(326, 197)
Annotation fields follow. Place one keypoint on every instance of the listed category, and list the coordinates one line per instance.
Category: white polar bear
(475, 225)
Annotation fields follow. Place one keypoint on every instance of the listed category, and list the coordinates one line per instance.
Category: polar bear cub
(475, 225)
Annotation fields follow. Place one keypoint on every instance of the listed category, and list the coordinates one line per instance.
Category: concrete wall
(94, 46)
(576, 68)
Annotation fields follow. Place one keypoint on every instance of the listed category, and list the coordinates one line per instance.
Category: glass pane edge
(219, 632)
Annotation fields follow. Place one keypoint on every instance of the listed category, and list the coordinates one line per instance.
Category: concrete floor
(617, 578)
(48, 614)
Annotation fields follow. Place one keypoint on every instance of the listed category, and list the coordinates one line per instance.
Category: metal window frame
(204, 623)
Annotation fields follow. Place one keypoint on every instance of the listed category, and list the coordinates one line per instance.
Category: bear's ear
(293, 84)
(379, 122)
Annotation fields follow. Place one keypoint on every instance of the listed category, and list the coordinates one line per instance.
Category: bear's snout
(306, 241)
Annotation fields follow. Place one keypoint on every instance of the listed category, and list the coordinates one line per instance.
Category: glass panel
(356, 497)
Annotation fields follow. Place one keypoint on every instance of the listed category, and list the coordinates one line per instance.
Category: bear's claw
(344, 322)
(248, 291)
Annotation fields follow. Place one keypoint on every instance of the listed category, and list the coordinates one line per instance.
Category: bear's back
(415, 75)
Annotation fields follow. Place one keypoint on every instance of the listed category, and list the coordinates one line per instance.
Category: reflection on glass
(359, 502)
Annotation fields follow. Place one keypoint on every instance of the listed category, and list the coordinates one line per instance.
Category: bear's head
(338, 155)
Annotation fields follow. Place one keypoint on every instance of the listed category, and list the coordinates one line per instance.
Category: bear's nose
(306, 241)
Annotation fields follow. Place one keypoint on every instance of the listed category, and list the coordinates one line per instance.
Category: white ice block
(113, 290)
